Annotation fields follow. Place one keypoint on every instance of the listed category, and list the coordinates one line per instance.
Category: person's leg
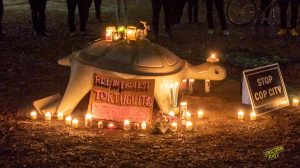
(283, 4)
(71, 4)
(34, 15)
(266, 4)
(82, 10)
(190, 8)
(125, 12)
(87, 6)
(156, 7)
(294, 11)
(180, 10)
(42, 16)
(167, 10)
(1, 14)
(97, 4)
(196, 3)
(209, 13)
(220, 9)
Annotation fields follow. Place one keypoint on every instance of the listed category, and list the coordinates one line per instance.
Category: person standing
(121, 12)
(156, 8)
(193, 10)
(1, 15)
(177, 7)
(38, 8)
(97, 4)
(83, 10)
(265, 9)
(220, 9)
(283, 4)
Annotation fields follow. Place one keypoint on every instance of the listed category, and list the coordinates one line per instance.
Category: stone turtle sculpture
(134, 60)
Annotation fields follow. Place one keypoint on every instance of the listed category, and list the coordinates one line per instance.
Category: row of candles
(130, 33)
(185, 115)
(88, 121)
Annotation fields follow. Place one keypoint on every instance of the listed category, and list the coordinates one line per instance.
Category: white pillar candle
(88, 120)
(240, 115)
(252, 116)
(200, 114)
(207, 86)
(188, 126)
(174, 126)
(143, 125)
(60, 116)
(188, 115)
(183, 106)
(126, 125)
(33, 115)
(48, 116)
(75, 123)
(100, 124)
(295, 102)
(69, 120)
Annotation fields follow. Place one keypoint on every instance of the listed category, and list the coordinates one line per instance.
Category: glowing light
(240, 115)
(60, 116)
(174, 126)
(88, 120)
(48, 116)
(253, 116)
(295, 102)
(188, 126)
(75, 123)
(68, 120)
(100, 124)
(33, 115)
(126, 125)
(143, 125)
(200, 114)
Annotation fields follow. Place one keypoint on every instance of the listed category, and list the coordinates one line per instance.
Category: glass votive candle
(240, 115)
(75, 123)
(126, 125)
(69, 120)
(252, 116)
(143, 125)
(174, 126)
(295, 102)
(100, 124)
(88, 120)
(188, 126)
(200, 114)
(60, 116)
(48, 116)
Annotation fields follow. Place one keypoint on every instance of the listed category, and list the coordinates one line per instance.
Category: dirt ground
(29, 71)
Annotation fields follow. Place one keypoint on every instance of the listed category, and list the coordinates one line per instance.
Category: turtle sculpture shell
(137, 58)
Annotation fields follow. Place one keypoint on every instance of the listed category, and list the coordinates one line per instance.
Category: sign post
(266, 88)
(116, 99)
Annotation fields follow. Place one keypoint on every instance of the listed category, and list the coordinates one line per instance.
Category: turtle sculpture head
(207, 70)
(138, 60)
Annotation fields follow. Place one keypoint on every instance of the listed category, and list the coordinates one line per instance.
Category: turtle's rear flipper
(48, 104)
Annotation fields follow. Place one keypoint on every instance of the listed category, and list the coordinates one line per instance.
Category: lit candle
(295, 102)
(100, 124)
(143, 125)
(253, 116)
(88, 120)
(131, 33)
(174, 126)
(60, 116)
(69, 120)
(111, 126)
(207, 86)
(109, 33)
(188, 126)
(188, 115)
(172, 94)
(48, 116)
(126, 125)
(212, 58)
(200, 114)
(240, 115)
(75, 123)
(191, 85)
(183, 106)
(33, 115)
(171, 115)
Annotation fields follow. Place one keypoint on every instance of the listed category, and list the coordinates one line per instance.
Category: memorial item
(138, 60)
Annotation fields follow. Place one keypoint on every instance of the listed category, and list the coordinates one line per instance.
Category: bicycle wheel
(241, 12)
(276, 15)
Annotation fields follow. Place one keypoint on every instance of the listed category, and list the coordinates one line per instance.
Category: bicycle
(244, 12)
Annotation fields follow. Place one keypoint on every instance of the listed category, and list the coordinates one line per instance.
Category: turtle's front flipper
(79, 85)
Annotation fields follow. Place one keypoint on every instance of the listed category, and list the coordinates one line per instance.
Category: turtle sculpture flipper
(139, 60)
